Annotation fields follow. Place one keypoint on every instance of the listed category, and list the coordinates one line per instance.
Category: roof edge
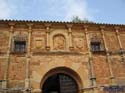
(68, 22)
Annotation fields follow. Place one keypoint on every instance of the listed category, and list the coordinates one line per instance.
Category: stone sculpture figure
(78, 43)
(59, 42)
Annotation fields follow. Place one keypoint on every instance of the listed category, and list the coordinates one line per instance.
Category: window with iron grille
(96, 46)
(19, 46)
(114, 89)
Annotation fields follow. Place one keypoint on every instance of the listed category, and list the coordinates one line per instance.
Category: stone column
(107, 55)
(69, 26)
(29, 38)
(87, 40)
(92, 75)
(118, 37)
(27, 80)
(121, 50)
(47, 36)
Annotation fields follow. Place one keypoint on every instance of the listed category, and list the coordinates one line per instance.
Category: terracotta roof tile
(39, 21)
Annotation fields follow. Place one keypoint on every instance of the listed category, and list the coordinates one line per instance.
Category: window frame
(95, 46)
(19, 38)
(99, 45)
(20, 46)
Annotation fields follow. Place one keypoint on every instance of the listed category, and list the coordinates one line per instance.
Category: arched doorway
(60, 83)
(57, 73)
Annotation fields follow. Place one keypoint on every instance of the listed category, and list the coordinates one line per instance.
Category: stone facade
(61, 47)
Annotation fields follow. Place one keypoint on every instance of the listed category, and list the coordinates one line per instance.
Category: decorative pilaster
(121, 50)
(27, 80)
(29, 37)
(87, 39)
(118, 37)
(69, 26)
(92, 75)
(107, 55)
(4, 84)
(47, 36)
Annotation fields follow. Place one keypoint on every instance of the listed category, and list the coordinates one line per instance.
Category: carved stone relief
(78, 43)
(59, 42)
(39, 43)
(20, 37)
(94, 35)
(38, 40)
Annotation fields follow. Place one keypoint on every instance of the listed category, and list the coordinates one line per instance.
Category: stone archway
(54, 81)
(60, 83)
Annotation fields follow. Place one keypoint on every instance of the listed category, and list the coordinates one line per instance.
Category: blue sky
(102, 11)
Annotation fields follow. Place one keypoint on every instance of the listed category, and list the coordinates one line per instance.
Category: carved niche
(59, 42)
(78, 43)
(38, 40)
(39, 43)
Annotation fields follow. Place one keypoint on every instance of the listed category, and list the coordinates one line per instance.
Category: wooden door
(67, 84)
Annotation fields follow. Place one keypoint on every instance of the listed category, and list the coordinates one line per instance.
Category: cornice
(61, 22)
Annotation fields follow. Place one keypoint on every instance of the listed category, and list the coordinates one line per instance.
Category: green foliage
(76, 19)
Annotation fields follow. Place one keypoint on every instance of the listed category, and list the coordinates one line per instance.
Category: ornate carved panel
(93, 35)
(39, 43)
(20, 37)
(78, 43)
(59, 42)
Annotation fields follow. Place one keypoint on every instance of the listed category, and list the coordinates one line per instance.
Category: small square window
(95, 46)
(20, 46)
